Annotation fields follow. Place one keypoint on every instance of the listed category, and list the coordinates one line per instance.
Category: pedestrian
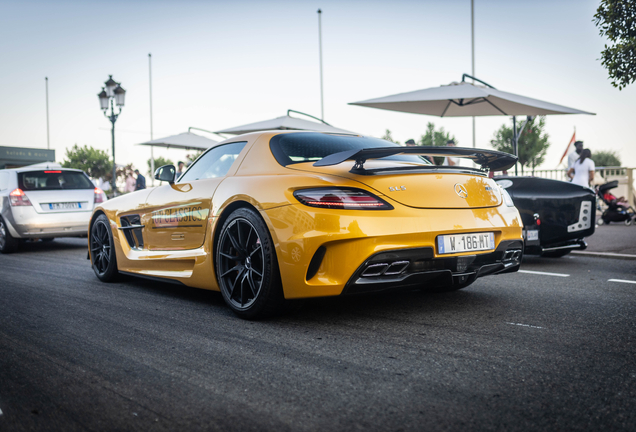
(411, 143)
(572, 157)
(130, 183)
(141, 181)
(582, 172)
(180, 166)
(448, 160)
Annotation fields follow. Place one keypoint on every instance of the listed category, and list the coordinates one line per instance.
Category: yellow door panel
(176, 215)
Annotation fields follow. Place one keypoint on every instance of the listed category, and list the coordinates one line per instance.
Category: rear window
(311, 147)
(53, 180)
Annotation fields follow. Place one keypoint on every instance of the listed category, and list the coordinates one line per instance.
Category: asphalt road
(512, 352)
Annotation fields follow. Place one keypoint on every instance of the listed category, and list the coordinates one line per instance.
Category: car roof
(272, 133)
(44, 166)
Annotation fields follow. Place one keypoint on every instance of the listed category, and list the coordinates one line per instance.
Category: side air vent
(131, 226)
(315, 262)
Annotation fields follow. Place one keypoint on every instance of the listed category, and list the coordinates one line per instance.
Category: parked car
(44, 201)
(271, 216)
(557, 215)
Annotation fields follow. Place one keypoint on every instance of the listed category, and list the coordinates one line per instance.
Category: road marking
(524, 325)
(605, 254)
(621, 280)
(544, 273)
(0, 412)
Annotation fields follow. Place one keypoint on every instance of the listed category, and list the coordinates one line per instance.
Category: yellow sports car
(271, 216)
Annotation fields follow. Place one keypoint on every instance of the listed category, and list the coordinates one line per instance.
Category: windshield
(311, 147)
(53, 180)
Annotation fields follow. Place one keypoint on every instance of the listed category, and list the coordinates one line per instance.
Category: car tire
(103, 258)
(556, 254)
(8, 244)
(246, 266)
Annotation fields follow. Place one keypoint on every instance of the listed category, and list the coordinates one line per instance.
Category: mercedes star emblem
(460, 190)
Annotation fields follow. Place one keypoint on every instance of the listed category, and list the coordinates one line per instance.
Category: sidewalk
(613, 241)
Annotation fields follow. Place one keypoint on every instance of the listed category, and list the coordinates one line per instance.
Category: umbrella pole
(514, 140)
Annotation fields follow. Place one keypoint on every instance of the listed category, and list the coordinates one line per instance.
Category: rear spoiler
(487, 159)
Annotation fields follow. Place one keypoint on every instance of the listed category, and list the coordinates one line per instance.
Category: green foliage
(606, 158)
(616, 19)
(96, 163)
(387, 136)
(435, 138)
(533, 142)
(123, 171)
(191, 157)
(159, 161)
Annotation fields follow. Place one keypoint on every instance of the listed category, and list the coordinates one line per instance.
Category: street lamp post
(112, 94)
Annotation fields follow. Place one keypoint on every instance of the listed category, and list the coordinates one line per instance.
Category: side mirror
(166, 173)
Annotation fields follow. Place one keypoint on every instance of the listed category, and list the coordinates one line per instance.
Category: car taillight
(18, 198)
(341, 198)
(100, 196)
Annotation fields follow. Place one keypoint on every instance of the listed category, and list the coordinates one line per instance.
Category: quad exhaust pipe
(385, 269)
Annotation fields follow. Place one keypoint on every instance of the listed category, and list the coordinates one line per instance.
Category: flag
(568, 147)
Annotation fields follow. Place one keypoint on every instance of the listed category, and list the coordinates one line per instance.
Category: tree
(96, 163)
(159, 162)
(616, 19)
(606, 158)
(387, 136)
(532, 146)
(191, 157)
(435, 138)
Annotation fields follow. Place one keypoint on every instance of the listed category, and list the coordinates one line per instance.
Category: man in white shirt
(450, 161)
(572, 157)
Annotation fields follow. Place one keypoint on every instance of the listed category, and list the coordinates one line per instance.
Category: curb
(606, 255)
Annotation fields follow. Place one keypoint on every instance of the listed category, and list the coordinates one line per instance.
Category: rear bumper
(25, 222)
(419, 269)
(321, 253)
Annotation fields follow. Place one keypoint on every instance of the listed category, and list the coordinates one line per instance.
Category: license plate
(65, 206)
(532, 235)
(455, 243)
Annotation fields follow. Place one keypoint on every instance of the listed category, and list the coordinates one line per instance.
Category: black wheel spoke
(243, 290)
(234, 243)
(235, 268)
(249, 235)
(230, 257)
(238, 232)
(255, 250)
(260, 275)
(251, 284)
(239, 276)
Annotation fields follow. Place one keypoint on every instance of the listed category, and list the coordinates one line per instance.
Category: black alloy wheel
(102, 250)
(246, 266)
(8, 244)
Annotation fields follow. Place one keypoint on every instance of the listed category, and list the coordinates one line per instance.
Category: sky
(216, 65)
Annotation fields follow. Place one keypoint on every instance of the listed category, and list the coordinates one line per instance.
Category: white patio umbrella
(464, 99)
(285, 122)
(186, 141)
